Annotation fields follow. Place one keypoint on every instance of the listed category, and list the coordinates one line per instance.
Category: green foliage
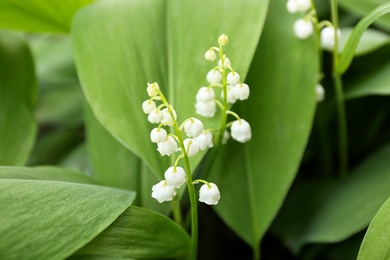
(376, 243)
(139, 234)
(18, 91)
(256, 179)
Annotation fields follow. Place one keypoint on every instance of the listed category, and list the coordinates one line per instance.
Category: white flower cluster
(303, 28)
(167, 144)
(223, 77)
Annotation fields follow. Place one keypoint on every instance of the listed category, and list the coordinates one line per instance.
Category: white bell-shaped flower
(295, 6)
(155, 116)
(214, 76)
(303, 28)
(226, 63)
(148, 106)
(241, 91)
(209, 194)
(320, 93)
(210, 55)
(206, 109)
(167, 118)
(175, 177)
(225, 137)
(233, 78)
(163, 192)
(205, 94)
(152, 89)
(231, 95)
(205, 140)
(223, 39)
(241, 131)
(158, 135)
(328, 37)
(191, 146)
(193, 127)
(167, 147)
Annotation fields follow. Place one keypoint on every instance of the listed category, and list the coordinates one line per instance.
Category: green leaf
(139, 234)
(44, 173)
(375, 82)
(153, 44)
(18, 91)
(51, 219)
(376, 243)
(335, 209)
(39, 16)
(370, 41)
(362, 7)
(257, 175)
(115, 166)
(353, 41)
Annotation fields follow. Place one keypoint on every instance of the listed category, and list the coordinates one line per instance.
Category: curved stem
(341, 115)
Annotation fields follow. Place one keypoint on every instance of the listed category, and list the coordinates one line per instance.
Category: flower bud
(241, 91)
(205, 94)
(167, 147)
(155, 116)
(163, 192)
(191, 146)
(175, 177)
(205, 140)
(158, 135)
(223, 39)
(233, 78)
(214, 76)
(193, 127)
(148, 106)
(152, 89)
(328, 37)
(167, 117)
(210, 55)
(303, 28)
(226, 63)
(209, 194)
(206, 109)
(241, 131)
(320, 93)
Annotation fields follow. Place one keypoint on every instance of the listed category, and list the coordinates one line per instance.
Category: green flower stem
(176, 211)
(341, 115)
(191, 188)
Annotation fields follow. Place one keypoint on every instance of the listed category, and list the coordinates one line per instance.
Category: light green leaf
(376, 243)
(335, 209)
(139, 234)
(39, 16)
(257, 175)
(153, 43)
(370, 41)
(375, 82)
(44, 173)
(18, 91)
(362, 7)
(51, 219)
(353, 40)
(77, 160)
(115, 166)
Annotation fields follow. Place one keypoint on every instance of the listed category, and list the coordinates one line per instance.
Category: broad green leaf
(44, 173)
(353, 40)
(153, 43)
(18, 91)
(362, 7)
(376, 243)
(335, 209)
(139, 234)
(370, 41)
(39, 16)
(375, 82)
(257, 175)
(51, 219)
(114, 165)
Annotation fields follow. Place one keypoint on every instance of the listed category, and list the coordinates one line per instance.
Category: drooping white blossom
(155, 116)
(158, 135)
(223, 39)
(209, 194)
(167, 118)
(231, 95)
(328, 37)
(152, 89)
(163, 192)
(214, 76)
(175, 177)
(206, 109)
(148, 106)
(167, 147)
(210, 55)
(320, 93)
(241, 91)
(191, 146)
(205, 140)
(296, 6)
(233, 78)
(193, 127)
(226, 63)
(205, 94)
(241, 131)
(303, 29)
